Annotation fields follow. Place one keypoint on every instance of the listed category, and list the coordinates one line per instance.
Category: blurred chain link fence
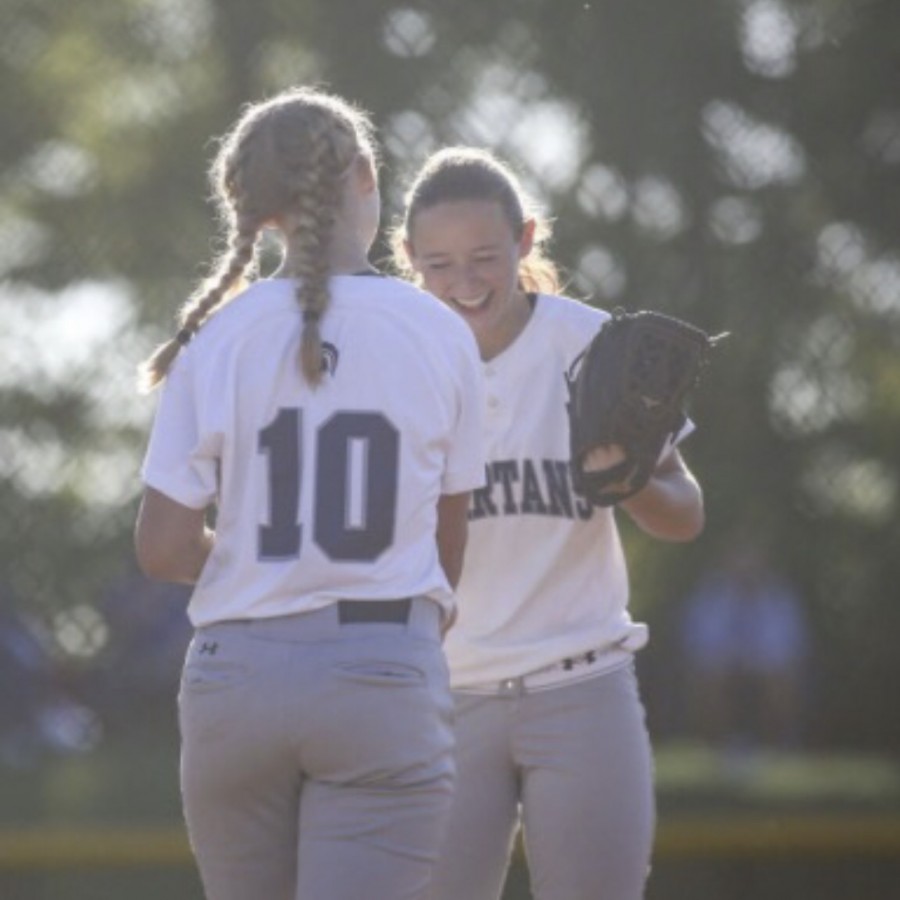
(82, 298)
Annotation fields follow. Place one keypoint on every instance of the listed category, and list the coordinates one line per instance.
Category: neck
(346, 256)
(495, 341)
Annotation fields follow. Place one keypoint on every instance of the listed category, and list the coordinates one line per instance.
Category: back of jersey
(323, 492)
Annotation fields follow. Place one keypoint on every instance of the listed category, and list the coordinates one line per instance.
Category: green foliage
(730, 162)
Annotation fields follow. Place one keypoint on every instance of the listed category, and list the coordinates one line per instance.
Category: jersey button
(492, 402)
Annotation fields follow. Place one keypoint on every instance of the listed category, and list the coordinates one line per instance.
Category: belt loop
(512, 687)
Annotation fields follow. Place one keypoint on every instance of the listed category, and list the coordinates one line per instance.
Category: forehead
(460, 225)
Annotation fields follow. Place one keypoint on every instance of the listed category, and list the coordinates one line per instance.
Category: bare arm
(452, 533)
(172, 541)
(670, 507)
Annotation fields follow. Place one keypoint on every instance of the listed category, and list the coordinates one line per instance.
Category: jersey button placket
(492, 399)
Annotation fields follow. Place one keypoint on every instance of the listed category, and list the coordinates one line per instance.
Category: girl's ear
(368, 176)
(526, 242)
(408, 250)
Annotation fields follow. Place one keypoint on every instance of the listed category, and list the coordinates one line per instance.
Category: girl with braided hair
(331, 418)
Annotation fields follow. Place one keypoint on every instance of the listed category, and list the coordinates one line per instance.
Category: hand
(603, 457)
(448, 621)
(607, 456)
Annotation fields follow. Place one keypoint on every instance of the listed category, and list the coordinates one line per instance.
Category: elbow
(452, 563)
(690, 524)
(157, 558)
(452, 535)
(689, 529)
(152, 562)
(171, 541)
(690, 520)
(679, 526)
(677, 519)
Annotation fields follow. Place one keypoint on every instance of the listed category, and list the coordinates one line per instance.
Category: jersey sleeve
(182, 455)
(686, 430)
(464, 470)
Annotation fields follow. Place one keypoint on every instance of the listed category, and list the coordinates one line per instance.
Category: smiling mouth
(473, 302)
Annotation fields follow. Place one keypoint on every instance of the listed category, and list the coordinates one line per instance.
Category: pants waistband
(419, 616)
(566, 671)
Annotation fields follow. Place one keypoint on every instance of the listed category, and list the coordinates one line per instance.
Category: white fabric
(399, 359)
(545, 576)
(573, 764)
(553, 676)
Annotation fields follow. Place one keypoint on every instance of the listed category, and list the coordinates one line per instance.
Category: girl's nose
(466, 283)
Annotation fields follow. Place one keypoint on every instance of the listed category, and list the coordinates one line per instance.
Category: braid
(230, 271)
(283, 162)
(222, 285)
(316, 200)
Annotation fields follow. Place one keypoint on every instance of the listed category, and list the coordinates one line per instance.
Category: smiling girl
(549, 723)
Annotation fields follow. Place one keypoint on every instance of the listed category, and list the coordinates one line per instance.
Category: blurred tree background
(734, 162)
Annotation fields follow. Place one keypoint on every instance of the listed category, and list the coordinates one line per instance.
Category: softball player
(549, 723)
(331, 417)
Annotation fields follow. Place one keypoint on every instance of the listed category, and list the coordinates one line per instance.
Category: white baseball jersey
(545, 576)
(329, 492)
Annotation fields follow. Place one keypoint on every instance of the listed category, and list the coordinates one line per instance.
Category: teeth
(472, 303)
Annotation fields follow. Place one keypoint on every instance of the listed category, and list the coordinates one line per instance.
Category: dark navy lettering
(528, 487)
(355, 506)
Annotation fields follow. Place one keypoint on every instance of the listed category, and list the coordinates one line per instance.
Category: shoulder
(262, 304)
(414, 301)
(567, 311)
(255, 304)
(424, 311)
(572, 322)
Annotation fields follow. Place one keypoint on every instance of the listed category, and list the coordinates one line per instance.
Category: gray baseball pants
(573, 762)
(317, 754)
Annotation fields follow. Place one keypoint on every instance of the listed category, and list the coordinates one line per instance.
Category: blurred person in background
(745, 646)
(41, 713)
(139, 666)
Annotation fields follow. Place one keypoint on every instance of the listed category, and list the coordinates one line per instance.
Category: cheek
(501, 271)
(434, 282)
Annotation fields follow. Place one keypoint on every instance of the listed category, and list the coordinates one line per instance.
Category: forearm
(670, 507)
(452, 534)
(172, 541)
(186, 565)
(180, 563)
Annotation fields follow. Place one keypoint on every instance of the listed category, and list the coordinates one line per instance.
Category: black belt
(360, 611)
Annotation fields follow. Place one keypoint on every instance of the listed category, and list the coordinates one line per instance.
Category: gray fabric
(576, 760)
(316, 757)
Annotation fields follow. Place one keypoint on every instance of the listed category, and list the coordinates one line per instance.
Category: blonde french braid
(283, 161)
(317, 195)
(230, 271)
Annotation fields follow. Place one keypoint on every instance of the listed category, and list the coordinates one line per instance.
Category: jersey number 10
(357, 461)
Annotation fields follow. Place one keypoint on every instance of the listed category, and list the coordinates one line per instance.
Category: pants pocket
(208, 677)
(381, 673)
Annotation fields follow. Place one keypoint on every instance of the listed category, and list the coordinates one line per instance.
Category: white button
(490, 371)
(493, 402)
